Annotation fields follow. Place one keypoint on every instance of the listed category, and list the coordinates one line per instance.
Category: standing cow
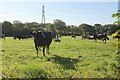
(73, 36)
(43, 39)
(103, 37)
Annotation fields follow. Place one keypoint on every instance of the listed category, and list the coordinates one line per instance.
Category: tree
(50, 27)
(68, 29)
(60, 26)
(18, 27)
(73, 29)
(111, 28)
(86, 28)
(98, 28)
(117, 16)
(32, 26)
(7, 28)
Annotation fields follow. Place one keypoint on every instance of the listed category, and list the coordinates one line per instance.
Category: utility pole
(43, 16)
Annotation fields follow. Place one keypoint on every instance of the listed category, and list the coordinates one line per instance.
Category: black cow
(2, 36)
(102, 37)
(21, 37)
(73, 36)
(117, 36)
(43, 39)
(56, 38)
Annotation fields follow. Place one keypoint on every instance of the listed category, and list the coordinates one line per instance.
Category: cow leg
(36, 49)
(47, 50)
(44, 51)
(95, 40)
(104, 40)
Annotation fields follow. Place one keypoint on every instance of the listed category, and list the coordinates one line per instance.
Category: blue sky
(72, 13)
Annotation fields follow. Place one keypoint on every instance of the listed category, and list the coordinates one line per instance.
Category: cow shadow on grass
(67, 63)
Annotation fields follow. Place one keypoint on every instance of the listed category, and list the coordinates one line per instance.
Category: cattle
(2, 36)
(87, 36)
(56, 38)
(21, 37)
(90, 37)
(73, 36)
(42, 39)
(102, 37)
(118, 36)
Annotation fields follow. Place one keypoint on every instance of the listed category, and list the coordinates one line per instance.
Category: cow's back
(43, 38)
(48, 37)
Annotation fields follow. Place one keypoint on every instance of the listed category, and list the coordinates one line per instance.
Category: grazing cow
(103, 37)
(73, 36)
(55, 36)
(57, 40)
(21, 37)
(117, 36)
(87, 36)
(2, 36)
(90, 37)
(43, 39)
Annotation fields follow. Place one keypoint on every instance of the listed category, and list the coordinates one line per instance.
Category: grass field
(71, 58)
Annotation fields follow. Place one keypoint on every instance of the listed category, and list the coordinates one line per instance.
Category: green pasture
(71, 58)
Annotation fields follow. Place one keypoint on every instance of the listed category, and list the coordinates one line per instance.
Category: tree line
(57, 27)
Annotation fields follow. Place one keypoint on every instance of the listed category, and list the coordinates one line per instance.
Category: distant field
(71, 58)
